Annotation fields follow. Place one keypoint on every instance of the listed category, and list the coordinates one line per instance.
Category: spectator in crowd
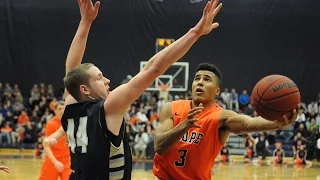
(262, 145)
(300, 119)
(278, 154)
(313, 133)
(224, 154)
(6, 132)
(244, 100)
(297, 144)
(141, 141)
(233, 100)
(302, 130)
(301, 156)
(23, 118)
(313, 107)
(249, 110)
(30, 134)
(249, 152)
(225, 95)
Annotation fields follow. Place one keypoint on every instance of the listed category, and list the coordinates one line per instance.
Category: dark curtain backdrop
(255, 38)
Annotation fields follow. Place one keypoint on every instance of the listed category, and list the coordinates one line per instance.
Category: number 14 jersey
(193, 156)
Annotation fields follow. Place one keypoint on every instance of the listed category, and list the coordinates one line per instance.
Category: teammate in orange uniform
(57, 160)
(191, 133)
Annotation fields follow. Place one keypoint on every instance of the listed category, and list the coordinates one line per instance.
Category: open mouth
(199, 91)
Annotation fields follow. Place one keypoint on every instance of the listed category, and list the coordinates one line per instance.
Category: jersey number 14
(81, 139)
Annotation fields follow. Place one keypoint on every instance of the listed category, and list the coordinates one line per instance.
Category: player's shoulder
(174, 104)
(180, 103)
(84, 105)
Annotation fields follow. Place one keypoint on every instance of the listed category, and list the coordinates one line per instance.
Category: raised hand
(87, 10)
(5, 168)
(192, 117)
(206, 24)
(287, 122)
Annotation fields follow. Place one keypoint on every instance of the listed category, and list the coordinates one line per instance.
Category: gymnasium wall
(255, 38)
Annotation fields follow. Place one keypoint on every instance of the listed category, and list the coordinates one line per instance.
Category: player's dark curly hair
(212, 68)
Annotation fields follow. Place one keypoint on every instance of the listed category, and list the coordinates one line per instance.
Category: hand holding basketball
(191, 120)
(87, 10)
(205, 25)
(5, 168)
(287, 122)
(275, 97)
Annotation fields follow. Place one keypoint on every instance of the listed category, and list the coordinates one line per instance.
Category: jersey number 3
(182, 161)
(81, 139)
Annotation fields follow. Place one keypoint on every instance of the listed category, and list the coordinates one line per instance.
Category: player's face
(98, 84)
(205, 87)
(59, 110)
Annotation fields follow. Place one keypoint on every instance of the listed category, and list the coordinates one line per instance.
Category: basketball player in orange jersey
(93, 118)
(192, 132)
(57, 160)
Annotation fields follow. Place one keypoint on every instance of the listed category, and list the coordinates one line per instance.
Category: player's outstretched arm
(240, 124)
(120, 98)
(88, 13)
(166, 135)
(51, 141)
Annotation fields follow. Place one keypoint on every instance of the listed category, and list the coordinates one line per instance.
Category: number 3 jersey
(96, 153)
(192, 158)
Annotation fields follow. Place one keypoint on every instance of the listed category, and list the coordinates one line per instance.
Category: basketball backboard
(176, 77)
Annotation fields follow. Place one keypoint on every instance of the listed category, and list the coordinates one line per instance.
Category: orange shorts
(49, 172)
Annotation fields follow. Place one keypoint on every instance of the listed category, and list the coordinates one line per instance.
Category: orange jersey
(193, 156)
(61, 149)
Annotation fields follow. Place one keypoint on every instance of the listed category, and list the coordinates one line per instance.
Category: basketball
(274, 96)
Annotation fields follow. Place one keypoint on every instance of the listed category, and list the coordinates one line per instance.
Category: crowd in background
(23, 120)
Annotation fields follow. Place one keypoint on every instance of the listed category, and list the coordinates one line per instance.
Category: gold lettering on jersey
(192, 137)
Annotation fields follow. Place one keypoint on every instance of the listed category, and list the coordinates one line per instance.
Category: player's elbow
(153, 71)
(159, 150)
(158, 147)
(45, 143)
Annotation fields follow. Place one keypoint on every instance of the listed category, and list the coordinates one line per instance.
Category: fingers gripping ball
(274, 96)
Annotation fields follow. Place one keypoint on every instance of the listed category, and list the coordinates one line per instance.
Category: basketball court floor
(29, 169)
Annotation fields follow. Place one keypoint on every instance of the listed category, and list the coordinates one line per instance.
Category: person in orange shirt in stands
(6, 131)
(23, 118)
(57, 160)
